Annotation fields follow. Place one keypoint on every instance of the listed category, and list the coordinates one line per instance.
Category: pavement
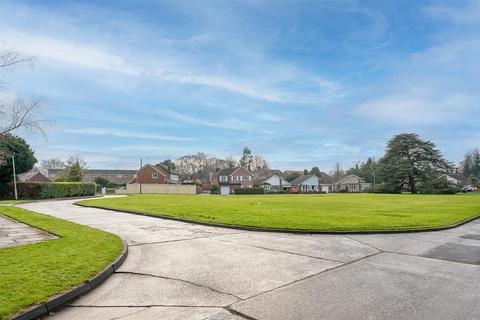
(14, 233)
(178, 270)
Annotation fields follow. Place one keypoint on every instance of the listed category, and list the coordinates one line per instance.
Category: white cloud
(126, 134)
(466, 14)
(234, 124)
(69, 52)
(413, 108)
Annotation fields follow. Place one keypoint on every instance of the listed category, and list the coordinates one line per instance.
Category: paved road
(184, 271)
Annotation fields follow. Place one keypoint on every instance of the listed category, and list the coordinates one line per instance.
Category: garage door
(224, 190)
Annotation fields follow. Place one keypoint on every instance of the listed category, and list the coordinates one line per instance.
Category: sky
(302, 83)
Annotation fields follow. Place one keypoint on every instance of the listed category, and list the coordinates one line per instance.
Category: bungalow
(271, 180)
(155, 174)
(352, 183)
(307, 183)
(231, 178)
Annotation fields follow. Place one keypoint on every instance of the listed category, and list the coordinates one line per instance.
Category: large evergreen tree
(409, 160)
(246, 159)
(24, 157)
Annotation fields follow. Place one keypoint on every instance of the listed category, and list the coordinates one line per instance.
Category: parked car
(469, 189)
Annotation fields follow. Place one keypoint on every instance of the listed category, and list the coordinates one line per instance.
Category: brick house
(155, 174)
(231, 178)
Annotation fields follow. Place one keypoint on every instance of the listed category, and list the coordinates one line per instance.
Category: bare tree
(21, 113)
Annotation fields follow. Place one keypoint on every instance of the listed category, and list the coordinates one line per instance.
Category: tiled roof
(301, 179)
(325, 178)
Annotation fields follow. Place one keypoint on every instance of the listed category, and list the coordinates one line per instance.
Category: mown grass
(11, 201)
(332, 212)
(32, 273)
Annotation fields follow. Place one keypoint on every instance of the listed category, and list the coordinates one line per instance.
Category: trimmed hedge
(49, 190)
(249, 191)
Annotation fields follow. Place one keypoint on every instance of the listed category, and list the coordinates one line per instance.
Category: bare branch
(21, 114)
(11, 58)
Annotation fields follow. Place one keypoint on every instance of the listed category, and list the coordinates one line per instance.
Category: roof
(457, 176)
(229, 171)
(165, 168)
(302, 178)
(97, 171)
(29, 175)
(264, 174)
(348, 176)
(325, 178)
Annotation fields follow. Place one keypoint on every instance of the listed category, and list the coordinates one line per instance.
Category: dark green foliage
(249, 191)
(366, 170)
(292, 176)
(73, 172)
(102, 182)
(24, 157)
(315, 171)
(410, 160)
(382, 188)
(437, 186)
(213, 188)
(247, 158)
(471, 164)
(169, 164)
(48, 190)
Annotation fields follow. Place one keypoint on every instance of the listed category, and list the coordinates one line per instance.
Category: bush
(437, 186)
(249, 191)
(382, 188)
(214, 188)
(49, 190)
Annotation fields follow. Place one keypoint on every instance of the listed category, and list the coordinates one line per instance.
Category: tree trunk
(411, 183)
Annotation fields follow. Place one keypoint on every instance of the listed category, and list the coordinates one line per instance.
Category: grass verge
(11, 201)
(32, 273)
(328, 212)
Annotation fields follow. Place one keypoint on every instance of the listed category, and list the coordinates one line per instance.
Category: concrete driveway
(184, 271)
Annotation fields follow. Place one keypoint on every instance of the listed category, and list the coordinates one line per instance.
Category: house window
(223, 178)
(173, 177)
(234, 178)
(154, 175)
(245, 178)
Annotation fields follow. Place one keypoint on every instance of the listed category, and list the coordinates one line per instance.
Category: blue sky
(302, 83)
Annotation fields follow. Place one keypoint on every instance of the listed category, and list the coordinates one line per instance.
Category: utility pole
(14, 176)
(141, 166)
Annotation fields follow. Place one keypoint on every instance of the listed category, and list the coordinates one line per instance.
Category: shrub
(214, 188)
(249, 191)
(437, 186)
(49, 190)
(382, 188)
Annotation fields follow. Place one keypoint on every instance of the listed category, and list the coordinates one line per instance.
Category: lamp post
(14, 176)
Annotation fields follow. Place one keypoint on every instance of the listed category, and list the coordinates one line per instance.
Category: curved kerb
(281, 230)
(62, 299)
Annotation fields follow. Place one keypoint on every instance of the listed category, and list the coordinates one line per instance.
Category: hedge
(48, 190)
(249, 191)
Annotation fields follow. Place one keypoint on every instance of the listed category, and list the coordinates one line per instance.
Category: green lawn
(32, 273)
(339, 212)
(11, 201)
